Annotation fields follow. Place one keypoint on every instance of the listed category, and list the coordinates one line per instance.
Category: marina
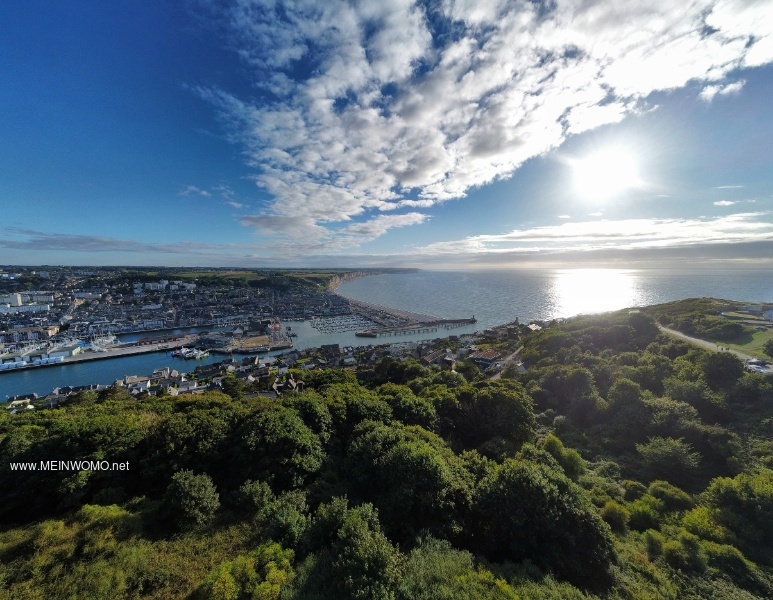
(425, 327)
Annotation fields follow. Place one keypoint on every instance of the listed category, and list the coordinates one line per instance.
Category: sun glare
(587, 291)
(605, 174)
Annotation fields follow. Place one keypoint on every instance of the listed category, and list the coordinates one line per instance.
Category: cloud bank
(365, 107)
(623, 234)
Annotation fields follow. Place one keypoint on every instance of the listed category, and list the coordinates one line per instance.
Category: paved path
(704, 343)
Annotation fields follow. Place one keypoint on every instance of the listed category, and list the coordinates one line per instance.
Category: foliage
(415, 483)
(273, 444)
(616, 516)
(436, 571)
(668, 458)
(352, 558)
(744, 506)
(414, 480)
(527, 510)
(570, 460)
(260, 574)
(191, 500)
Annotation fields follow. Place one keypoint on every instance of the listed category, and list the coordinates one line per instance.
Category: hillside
(621, 464)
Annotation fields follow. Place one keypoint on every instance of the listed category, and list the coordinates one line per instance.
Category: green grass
(751, 343)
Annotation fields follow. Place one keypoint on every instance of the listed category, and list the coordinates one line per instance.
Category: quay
(130, 350)
(421, 327)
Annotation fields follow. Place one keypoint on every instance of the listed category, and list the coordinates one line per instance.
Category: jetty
(417, 327)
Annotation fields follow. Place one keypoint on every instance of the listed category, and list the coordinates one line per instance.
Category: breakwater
(417, 327)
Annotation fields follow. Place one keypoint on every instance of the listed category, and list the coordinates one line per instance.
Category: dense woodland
(621, 464)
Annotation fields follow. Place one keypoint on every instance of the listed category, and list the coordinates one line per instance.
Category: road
(704, 343)
(506, 361)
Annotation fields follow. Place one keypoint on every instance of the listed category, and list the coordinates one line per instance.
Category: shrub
(672, 497)
(570, 460)
(653, 540)
(633, 490)
(254, 497)
(668, 458)
(261, 574)
(685, 553)
(700, 521)
(616, 516)
(645, 513)
(521, 504)
(190, 500)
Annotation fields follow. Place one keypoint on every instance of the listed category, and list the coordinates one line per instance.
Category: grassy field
(752, 344)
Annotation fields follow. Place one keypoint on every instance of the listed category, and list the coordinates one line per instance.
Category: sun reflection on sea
(585, 291)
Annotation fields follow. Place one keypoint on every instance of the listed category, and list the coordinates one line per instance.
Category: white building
(25, 308)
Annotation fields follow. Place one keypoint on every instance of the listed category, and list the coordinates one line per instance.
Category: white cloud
(382, 105)
(564, 216)
(624, 234)
(374, 228)
(192, 190)
(710, 91)
(725, 203)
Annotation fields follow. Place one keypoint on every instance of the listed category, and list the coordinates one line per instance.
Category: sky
(444, 134)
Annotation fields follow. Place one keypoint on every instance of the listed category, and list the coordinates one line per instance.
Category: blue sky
(440, 134)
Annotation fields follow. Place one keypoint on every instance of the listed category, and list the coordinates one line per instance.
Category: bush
(672, 497)
(261, 574)
(570, 460)
(254, 497)
(190, 500)
(744, 505)
(685, 553)
(700, 521)
(354, 560)
(522, 504)
(616, 516)
(653, 540)
(668, 458)
(645, 513)
(436, 571)
(633, 490)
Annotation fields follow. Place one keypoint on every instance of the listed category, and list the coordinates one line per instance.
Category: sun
(605, 174)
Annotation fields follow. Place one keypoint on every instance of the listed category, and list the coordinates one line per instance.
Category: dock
(419, 327)
(129, 350)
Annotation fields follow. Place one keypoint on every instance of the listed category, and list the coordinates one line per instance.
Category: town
(66, 315)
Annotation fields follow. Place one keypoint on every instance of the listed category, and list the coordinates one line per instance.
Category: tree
(494, 411)
(668, 458)
(276, 446)
(768, 348)
(414, 480)
(530, 511)
(407, 407)
(190, 500)
(260, 574)
(351, 559)
(721, 369)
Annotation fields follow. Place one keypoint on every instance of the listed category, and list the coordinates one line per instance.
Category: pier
(421, 327)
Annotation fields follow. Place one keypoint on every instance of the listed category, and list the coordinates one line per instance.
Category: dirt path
(704, 343)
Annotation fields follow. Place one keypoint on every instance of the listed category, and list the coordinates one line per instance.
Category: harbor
(413, 328)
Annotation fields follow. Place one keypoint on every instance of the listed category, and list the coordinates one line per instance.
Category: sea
(492, 297)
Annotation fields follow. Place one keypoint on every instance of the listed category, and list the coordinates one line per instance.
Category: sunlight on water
(584, 291)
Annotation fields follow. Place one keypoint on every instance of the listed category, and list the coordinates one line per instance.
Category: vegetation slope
(621, 464)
